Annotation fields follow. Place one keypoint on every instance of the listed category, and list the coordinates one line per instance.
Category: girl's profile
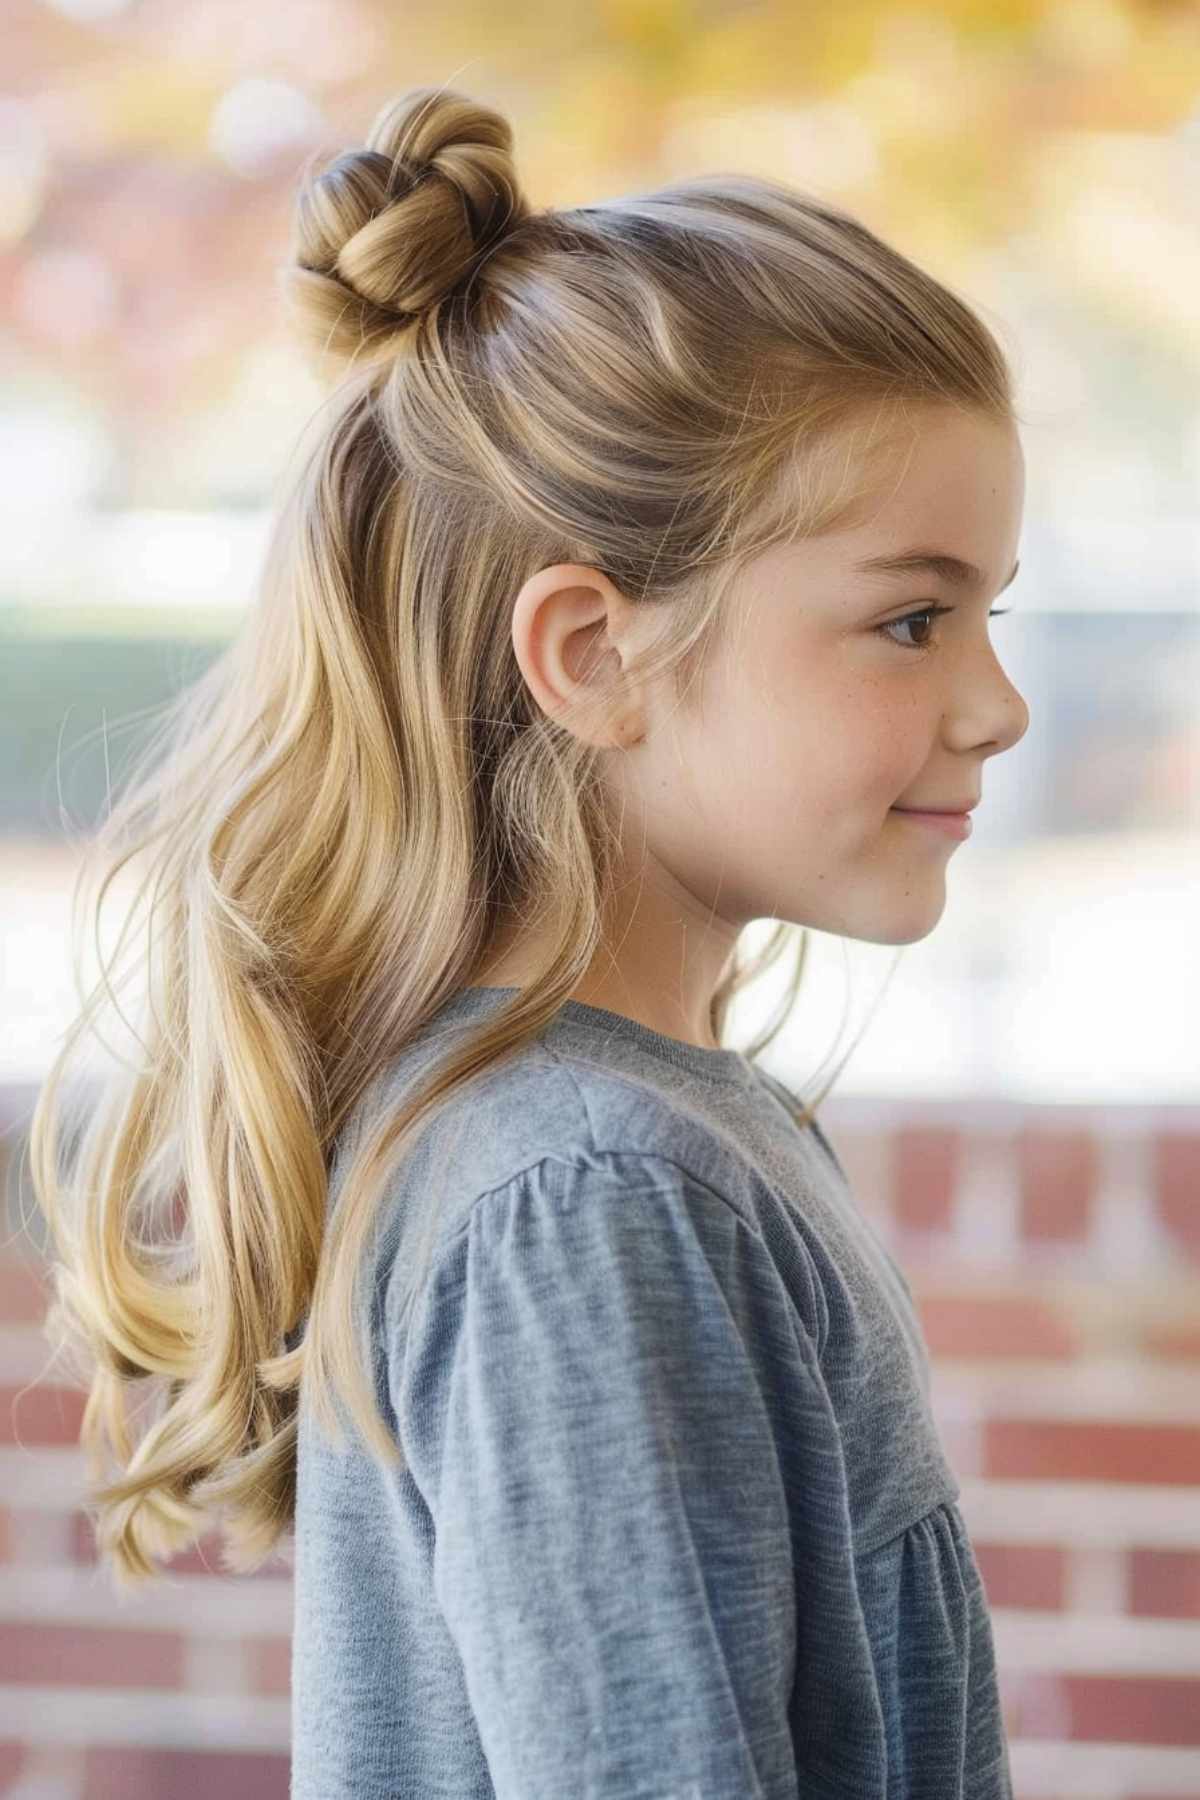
(633, 583)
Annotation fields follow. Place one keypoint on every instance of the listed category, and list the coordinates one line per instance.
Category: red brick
(1056, 1174)
(142, 1774)
(1174, 1341)
(1090, 1450)
(994, 1325)
(1134, 1709)
(270, 1661)
(926, 1163)
(1032, 1703)
(81, 1539)
(90, 1656)
(24, 1291)
(1163, 1710)
(1023, 1575)
(1165, 1584)
(40, 1413)
(13, 1758)
(1176, 1165)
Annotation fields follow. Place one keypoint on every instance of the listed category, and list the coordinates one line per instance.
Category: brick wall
(1054, 1254)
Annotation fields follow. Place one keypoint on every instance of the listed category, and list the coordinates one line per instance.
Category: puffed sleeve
(586, 1405)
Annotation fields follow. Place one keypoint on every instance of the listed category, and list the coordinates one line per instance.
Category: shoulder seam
(657, 1156)
(698, 1180)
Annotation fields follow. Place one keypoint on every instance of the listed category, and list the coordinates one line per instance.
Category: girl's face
(770, 789)
(772, 792)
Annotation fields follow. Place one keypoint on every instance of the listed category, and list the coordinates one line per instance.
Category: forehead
(938, 488)
(936, 461)
(939, 481)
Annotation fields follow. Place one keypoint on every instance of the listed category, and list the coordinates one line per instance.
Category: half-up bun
(386, 231)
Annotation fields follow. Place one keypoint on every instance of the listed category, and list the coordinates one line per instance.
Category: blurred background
(1022, 1118)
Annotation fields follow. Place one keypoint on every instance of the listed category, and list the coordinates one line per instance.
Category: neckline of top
(729, 1066)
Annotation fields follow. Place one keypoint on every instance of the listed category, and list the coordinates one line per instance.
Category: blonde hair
(334, 820)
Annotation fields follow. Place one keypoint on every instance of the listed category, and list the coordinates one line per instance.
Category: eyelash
(925, 612)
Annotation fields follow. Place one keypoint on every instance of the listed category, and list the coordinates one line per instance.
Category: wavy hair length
(334, 820)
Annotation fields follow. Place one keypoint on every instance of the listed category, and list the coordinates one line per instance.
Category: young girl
(635, 587)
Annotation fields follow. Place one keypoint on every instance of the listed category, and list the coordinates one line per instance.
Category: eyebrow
(932, 562)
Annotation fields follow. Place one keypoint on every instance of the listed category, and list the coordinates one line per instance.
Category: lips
(956, 824)
(947, 811)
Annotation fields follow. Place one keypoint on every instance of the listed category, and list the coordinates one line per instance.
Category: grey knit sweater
(676, 1522)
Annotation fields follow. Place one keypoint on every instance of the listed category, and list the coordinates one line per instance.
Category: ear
(569, 622)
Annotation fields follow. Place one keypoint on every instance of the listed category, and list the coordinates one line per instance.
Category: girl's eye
(926, 612)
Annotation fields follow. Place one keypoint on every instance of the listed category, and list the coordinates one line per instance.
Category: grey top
(676, 1523)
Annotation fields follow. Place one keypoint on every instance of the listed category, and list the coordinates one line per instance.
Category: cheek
(891, 748)
(794, 732)
(841, 745)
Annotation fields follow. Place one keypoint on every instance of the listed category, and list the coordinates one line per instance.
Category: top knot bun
(385, 232)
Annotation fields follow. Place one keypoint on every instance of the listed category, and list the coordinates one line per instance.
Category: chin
(918, 928)
(910, 937)
(907, 928)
